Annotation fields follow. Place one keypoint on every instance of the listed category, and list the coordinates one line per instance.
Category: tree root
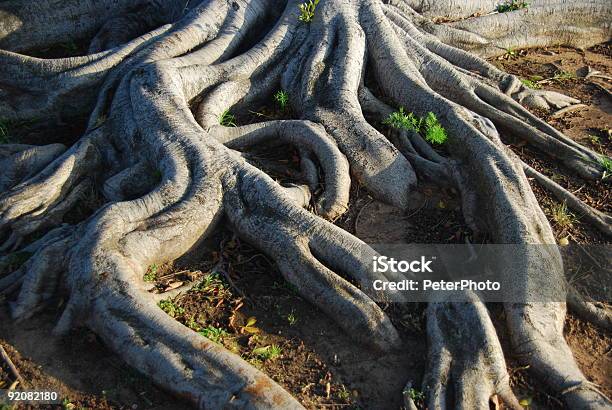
(169, 176)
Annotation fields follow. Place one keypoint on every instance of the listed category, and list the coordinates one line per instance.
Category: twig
(11, 366)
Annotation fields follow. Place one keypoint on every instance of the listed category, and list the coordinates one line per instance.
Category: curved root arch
(169, 172)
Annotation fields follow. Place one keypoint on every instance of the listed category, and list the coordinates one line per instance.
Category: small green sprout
(151, 273)
(561, 76)
(344, 394)
(562, 217)
(511, 5)
(292, 318)
(227, 119)
(307, 10)
(282, 98)
(595, 140)
(216, 334)
(429, 127)
(171, 308)
(531, 84)
(418, 397)
(434, 131)
(402, 120)
(606, 163)
(270, 352)
(510, 53)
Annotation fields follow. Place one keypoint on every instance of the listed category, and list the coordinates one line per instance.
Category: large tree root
(168, 176)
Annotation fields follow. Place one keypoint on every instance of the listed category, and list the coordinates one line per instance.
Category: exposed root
(585, 212)
(465, 357)
(595, 312)
(170, 176)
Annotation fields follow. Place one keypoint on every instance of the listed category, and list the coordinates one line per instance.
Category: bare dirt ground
(245, 305)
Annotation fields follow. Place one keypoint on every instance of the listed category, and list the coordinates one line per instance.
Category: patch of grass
(530, 84)
(562, 217)
(606, 163)
(151, 273)
(270, 352)
(227, 119)
(171, 308)
(511, 5)
(434, 131)
(4, 132)
(307, 10)
(282, 98)
(216, 334)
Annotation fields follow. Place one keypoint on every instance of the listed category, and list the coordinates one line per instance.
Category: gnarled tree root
(167, 176)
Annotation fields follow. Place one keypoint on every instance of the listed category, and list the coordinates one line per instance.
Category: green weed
(227, 119)
(307, 10)
(292, 318)
(531, 84)
(417, 396)
(344, 394)
(270, 352)
(434, 131)
(282, 98)
(511, 5)
(171, 308)
(562, 217)
(606, 163)
(151, 273)
(429, 127)
(402, 120)
(562, 76)
(216, 334)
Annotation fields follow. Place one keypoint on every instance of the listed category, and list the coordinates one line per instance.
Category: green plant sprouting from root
(429, 126)
(403, 120)
(434, 131)
(307, 10)
(282, 98)
(227, 119)
(511, 5)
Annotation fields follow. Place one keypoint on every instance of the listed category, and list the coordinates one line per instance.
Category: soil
(243, 302)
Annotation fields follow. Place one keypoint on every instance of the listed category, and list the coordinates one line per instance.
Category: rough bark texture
(159, 76)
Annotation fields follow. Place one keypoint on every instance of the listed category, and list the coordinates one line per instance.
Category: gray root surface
(158, 77)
